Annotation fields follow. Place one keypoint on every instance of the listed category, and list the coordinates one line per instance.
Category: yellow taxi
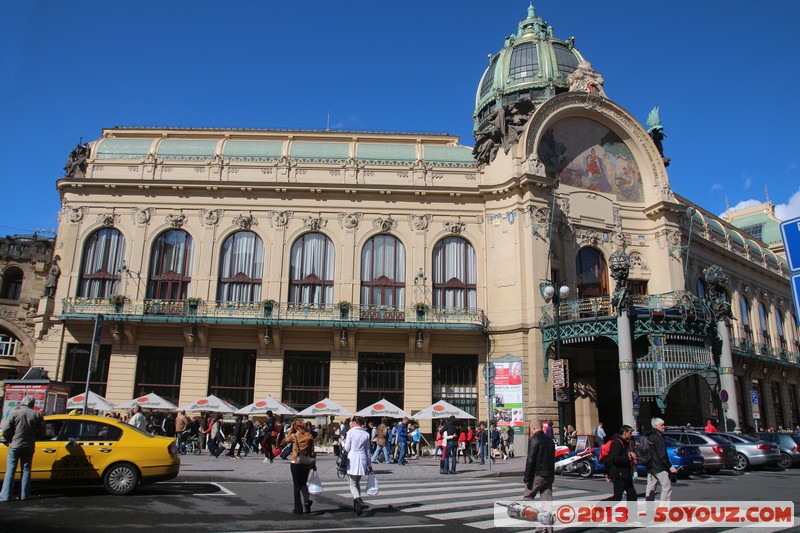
(95, 449)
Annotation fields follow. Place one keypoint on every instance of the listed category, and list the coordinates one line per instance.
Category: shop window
(158, 369)
(455, 380)
(306, 378)
(76, 364)
(232, 375)
(381, 376)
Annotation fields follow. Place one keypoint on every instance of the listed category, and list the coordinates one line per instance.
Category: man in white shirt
(138, 420)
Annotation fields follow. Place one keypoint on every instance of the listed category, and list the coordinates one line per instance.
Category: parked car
(686, 459)
(717, 453)
(750, 452)
(789, 445)
(98, 449)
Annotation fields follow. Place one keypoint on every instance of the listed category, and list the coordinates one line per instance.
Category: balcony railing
(765, 352)
(275, 313)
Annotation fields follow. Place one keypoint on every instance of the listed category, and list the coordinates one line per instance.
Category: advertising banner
(507, 403)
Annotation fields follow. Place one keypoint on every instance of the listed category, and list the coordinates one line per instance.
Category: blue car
(687, 459)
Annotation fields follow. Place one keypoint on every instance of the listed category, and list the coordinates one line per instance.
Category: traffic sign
(635, 400)
(723, 395)
(796, 296)
(560, 370)
(790, 231)
(754, 404)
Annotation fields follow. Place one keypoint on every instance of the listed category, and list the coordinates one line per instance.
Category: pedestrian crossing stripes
(469, 501)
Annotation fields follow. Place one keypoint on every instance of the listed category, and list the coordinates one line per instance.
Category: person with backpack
(659, 469)
(620, 464)
(381, 442)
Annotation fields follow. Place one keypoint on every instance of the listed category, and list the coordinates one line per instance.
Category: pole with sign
(790, 232)
(754, 406)
(489, 373)
(94, 355)
(723, 396)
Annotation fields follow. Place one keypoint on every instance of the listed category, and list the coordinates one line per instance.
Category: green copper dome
(532, 64)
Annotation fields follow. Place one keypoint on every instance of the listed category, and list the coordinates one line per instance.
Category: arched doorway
(592, 273)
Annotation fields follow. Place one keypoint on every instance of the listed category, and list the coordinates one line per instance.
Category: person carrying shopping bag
(302, 445)
(356, 445)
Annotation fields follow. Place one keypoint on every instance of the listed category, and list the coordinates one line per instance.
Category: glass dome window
(524, 61)
(488, 78)
(567, 62)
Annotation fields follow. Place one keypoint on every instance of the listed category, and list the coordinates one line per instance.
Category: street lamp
(550, 294)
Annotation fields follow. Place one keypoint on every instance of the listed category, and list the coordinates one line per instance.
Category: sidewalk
(252, 468)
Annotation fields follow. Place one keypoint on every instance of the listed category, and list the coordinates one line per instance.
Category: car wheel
(121, 479)
(584, 469)
(712, 470)
(785, 462)
(742, 463)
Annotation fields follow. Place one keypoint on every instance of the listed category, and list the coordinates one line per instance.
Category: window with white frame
(8, 345)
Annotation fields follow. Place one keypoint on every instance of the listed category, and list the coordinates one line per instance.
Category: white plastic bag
(372, 485)
(314, 484)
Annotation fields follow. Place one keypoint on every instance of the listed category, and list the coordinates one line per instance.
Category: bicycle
(341, 465)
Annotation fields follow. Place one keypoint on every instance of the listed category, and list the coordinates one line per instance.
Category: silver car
(789, 444)
(750, 452)
(717, 455)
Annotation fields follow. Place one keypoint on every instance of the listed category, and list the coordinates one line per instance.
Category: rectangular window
(232, 375)
(76, 363)
(306, 378)
(638, 287)
(158, 369)
(795, 412)
(381, 376)
(455, 380)
(777, 405)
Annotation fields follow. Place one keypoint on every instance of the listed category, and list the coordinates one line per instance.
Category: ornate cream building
(357, 265)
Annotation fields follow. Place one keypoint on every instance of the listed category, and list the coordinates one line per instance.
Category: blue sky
(724, 74)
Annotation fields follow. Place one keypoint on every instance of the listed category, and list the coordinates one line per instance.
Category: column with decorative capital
(621, 300)
(716, 280)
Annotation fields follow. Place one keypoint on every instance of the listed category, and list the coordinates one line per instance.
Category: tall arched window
(592, 272)
(171, 266)
(241, 267)
(455, 278)
(12, 284)
(102, 257)
(311, 270)
(744, 317)
(383, 272)
(781, 332)
(700, 288)
(764, 322)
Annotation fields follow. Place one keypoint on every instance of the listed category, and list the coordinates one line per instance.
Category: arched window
(781, 332)
(12, 284)
(700, 288)
(311, 270)
(592, 272)
(455, 278)
(241, 267)
(171, 266)
(744, 318)
(383, 272)
(762, 315)
(102, 257)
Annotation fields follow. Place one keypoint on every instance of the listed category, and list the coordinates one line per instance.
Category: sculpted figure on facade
(77, 160)
(142, 216)
(349, 220)
(75, 214)
(279, 219)
(52, 279)
(315, 223)
(107, 219)
(505, 128)
(210, 217)
(420, 222)
(176, 221)
(620, 267)
(456, 228)
(587, 80)
(716, 282)
(384, 225)
(245, 221)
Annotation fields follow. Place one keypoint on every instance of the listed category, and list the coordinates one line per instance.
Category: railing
(747, 348)
(276, 312)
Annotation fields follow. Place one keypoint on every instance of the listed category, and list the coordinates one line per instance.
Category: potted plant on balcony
(193, 304)
(344, 309)
(421, 308)
(268, 305)
(118, 301)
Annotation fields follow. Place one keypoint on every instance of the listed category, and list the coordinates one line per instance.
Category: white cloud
(789, 210)
(716, 187)
(742, 205)
(792, 166)
(747, 182)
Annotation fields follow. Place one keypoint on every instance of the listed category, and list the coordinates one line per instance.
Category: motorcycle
(581, 463)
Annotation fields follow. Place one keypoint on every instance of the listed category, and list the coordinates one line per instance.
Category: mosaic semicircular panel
(586, 154)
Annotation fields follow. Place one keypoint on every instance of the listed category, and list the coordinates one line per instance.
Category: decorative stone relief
(210, 217)
(533, 165)
(315, 223)
(589, 237)
(245, 222)
(456, 228)
(619, 239)
(176, 221)
(617, 217)
(349, 220)
(76, 213)
(107, 219)
(419, 222)
(666, 193)
(637, 261)
(385, 225)
(142, 215)
(586, 79)
(279, 219)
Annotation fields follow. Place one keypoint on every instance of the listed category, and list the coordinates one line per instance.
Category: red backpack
(605, 451)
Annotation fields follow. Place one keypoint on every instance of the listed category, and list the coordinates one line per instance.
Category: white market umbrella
(210, 404)
(149, 401)
(383, 408)
(96, 402)
(267, 404)
(324, 407)
(442, 409)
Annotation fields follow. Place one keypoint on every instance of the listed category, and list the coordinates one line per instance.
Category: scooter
(582, 463)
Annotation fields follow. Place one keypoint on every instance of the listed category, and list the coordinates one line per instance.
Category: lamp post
(550, 294)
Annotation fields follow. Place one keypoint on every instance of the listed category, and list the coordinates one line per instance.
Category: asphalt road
(418, 501)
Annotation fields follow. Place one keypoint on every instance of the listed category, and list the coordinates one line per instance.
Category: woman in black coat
(621, 465)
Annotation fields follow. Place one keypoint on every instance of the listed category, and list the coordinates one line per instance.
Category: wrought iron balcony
(746, 348)
(274, 313)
